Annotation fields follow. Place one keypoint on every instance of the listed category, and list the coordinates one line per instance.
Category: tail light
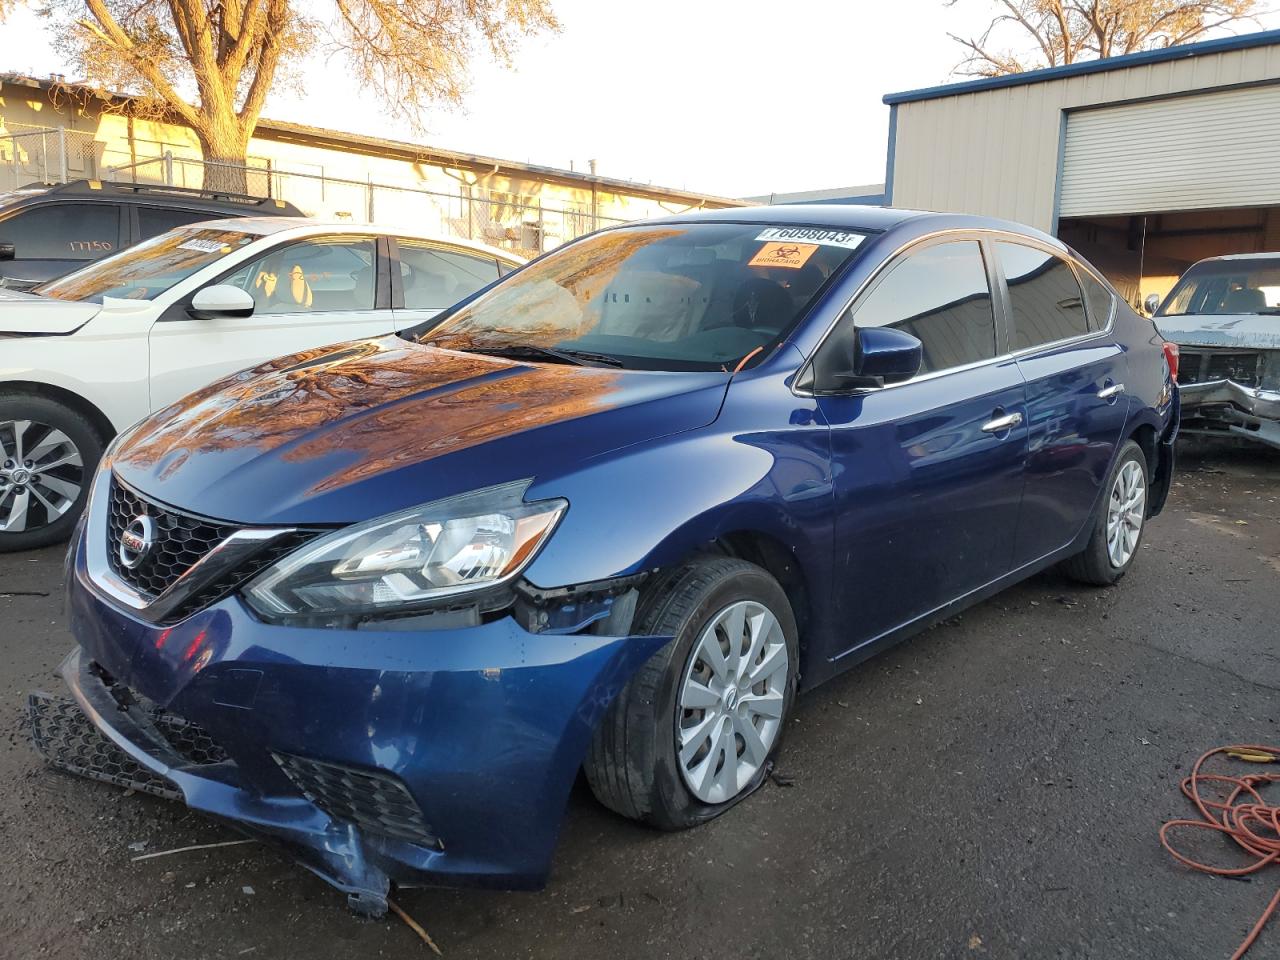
(1171, 358)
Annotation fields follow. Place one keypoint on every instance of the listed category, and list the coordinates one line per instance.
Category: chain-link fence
(48, 155)
(521, 224)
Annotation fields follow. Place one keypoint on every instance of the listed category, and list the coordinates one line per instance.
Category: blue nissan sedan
(381, 602)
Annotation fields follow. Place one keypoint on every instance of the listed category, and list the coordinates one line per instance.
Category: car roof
(859, 217)
(307, 226)
(145, 193)
(1243, 256)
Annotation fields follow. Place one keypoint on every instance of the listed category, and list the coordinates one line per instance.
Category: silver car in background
(1224, 314)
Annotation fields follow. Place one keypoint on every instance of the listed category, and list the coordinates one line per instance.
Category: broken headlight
(408, 560)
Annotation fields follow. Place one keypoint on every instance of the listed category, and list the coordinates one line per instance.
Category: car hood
(1250, 330)
(28, 313)
(356, 431)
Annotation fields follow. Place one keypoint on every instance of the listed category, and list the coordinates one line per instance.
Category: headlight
(410, 559)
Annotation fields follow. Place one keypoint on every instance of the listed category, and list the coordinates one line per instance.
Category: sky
(728, 98)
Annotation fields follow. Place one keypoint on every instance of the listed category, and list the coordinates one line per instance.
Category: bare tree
(211, 63)
(1058, 32)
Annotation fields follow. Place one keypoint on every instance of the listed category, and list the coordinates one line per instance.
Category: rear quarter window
(1098, 298)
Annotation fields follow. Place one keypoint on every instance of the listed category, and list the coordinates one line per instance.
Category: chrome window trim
(223, 557)
(977, 234)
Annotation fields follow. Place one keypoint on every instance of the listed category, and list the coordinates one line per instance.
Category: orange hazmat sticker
(781, 254)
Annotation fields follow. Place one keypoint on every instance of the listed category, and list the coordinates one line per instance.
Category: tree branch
(109, 32)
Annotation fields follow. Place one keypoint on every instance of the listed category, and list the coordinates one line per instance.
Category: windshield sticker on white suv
(205, 246)
(830, 238)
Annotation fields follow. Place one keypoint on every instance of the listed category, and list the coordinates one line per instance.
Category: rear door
(1075, 375)
(309, 293)
(432, 276)
(52, 239)
(928, 473)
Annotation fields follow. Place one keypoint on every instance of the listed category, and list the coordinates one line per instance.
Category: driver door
(307, 293)
(929, 472)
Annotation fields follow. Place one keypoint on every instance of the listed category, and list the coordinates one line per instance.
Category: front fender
(762, 467)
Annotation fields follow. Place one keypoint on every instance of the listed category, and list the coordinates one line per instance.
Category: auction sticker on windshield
(829, 238)
(205, 246)
(790, 255)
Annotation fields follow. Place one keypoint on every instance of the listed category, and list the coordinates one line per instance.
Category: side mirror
(1152, 303)
(886, 355)
(220, 302)
(7, 251)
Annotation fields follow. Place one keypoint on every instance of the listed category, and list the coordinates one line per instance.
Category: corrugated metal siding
(995, 152)
(1190, 153)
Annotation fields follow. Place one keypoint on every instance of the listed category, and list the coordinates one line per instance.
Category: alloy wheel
(731, 701)
(1125, 513)
(41, 475)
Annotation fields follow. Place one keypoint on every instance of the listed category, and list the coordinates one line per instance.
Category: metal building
(1145, 163)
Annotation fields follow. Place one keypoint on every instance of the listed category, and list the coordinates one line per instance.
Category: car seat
(1244, 300)
(762, 305)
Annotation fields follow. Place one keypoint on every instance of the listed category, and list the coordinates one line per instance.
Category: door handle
(1111, 392)
(1001, 424)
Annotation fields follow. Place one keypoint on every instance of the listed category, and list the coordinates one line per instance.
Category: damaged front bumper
(1227, 408)
(374, 756)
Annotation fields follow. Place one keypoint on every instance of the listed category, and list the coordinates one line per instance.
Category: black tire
(42, 526)
(632, 765)
(1093, 564)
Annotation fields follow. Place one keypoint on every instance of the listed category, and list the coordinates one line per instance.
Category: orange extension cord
(1252, 824)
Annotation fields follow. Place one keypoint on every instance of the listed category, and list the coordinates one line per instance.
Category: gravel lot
(990, 788)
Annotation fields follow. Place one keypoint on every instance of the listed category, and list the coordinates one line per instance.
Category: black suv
(47, 230)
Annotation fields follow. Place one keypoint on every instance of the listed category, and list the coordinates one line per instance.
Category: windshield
(692, 296)
(1227, 286)
(149, 269)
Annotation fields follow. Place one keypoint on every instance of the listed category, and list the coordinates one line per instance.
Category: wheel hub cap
(730, 703)
(1126, 512)
(41, 475)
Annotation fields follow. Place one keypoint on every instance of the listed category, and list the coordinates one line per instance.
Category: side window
(153, 221)
(1099, 299)
(63, 231)
(314, 276)
(434, 277)
(940, 296)
(1044, 296)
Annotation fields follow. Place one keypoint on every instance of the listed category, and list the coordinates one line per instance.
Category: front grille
(372, 799)
(188, 738)
(68, 739)
(181, 541)
(1201, 366)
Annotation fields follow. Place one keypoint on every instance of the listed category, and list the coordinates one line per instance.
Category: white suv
(91, 353)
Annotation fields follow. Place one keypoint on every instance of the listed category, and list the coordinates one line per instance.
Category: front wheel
(696, 728)
(47, 453)
(1118, 522)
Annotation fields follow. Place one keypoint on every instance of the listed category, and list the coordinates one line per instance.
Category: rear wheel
(698, 725)
(1118, 522)
(47, 453)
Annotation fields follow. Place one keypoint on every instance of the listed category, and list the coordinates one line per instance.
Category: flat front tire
(48, 452)
(697, 727)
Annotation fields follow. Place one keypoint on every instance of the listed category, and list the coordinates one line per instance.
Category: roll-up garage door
(1190, 153)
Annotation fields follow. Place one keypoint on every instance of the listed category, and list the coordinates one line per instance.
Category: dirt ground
(991, 788)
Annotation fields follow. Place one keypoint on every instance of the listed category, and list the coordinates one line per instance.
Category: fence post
(369, 200)
(62, 143)
(44, 156)
(168, 168)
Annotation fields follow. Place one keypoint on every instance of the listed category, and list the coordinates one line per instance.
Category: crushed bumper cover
(374, 756)
(1227, 408)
